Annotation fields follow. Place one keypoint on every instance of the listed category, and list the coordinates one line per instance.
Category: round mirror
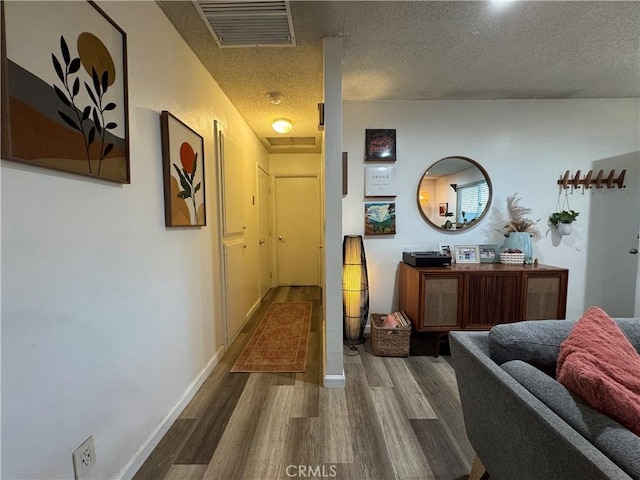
(454, 194)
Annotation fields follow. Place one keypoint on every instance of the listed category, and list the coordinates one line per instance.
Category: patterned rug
(279, 343)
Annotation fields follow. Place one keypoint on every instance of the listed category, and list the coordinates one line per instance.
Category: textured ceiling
(425, 50)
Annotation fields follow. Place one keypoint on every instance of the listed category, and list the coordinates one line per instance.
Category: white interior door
(232, 185)
(614, 223)
(234, 286)
(297, 219)
(238, 258)
(264, 231)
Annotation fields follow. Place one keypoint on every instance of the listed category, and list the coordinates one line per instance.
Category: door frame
(218, 140)
(270, 252)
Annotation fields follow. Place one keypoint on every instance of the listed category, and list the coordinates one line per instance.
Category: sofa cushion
(611, 438)
(538, 341)
(599, 364)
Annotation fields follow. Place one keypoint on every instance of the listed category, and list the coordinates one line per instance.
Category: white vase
(565, 228)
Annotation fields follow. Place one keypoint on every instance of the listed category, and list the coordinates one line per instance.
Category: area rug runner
(279, 343)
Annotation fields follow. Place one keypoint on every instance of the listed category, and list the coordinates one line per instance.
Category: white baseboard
(147, 447)
(334, 381)
(250, 313)
(253, 309)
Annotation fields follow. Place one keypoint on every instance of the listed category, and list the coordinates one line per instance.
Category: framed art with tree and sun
(183, 167)
(64, 89)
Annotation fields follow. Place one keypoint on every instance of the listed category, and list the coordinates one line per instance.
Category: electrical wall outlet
(83, 458)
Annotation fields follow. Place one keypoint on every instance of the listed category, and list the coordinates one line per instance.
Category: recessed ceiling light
(282, 125)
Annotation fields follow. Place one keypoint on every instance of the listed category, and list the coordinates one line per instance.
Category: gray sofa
(522, 423)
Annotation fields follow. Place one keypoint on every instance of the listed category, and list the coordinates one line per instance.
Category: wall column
(333, 375)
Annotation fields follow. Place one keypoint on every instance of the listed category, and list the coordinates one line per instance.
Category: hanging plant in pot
(519, 229)
(563, 220)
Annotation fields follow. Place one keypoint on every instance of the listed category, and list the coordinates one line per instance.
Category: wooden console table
(479, 296)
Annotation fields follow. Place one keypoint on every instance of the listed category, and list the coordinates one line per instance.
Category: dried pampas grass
(517, 219)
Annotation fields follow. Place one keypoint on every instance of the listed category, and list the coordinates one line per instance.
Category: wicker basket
(386, 342)
(512, 258)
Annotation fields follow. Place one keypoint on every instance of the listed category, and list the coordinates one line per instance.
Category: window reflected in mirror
(454, 193)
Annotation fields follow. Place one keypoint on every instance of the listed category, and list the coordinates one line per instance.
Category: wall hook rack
(599, 181)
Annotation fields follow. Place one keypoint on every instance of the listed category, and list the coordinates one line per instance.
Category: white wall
(525, 146)
(107, 316)
(295, 163)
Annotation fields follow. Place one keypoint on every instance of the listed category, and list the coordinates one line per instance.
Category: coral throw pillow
(599, 364)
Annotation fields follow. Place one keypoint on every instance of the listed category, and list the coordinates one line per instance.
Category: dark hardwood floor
(397, 418)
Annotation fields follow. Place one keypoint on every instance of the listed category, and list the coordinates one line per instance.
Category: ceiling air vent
(249, 24)
(291, 141)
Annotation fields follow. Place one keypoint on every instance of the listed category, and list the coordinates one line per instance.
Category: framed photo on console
(467, 253)
(445, 249)
(489, 253)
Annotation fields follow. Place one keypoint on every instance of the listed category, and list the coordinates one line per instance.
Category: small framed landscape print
(183, 167)
(380, 218)
(380, 145)
(489, 253)
(467, 253)
(380, 181)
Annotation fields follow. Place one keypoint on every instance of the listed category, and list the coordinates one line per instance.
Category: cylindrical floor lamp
(355, 290)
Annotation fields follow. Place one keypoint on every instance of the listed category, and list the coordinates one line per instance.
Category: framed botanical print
(64, 89)
(183, 168)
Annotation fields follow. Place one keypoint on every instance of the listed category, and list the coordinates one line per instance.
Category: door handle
(261, 242)
(633, 251)
(281, 238)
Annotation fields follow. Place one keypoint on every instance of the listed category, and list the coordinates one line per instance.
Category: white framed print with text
(380, 181)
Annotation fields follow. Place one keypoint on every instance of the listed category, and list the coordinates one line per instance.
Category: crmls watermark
(311, 471)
